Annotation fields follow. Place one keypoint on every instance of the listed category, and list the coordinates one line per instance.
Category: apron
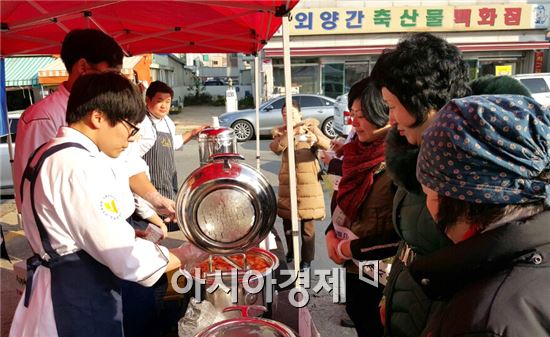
(85, 293)
(162, 168)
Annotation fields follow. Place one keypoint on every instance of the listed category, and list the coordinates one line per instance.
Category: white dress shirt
(84, 201)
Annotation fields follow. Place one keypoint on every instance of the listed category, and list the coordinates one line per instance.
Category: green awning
(23, 71)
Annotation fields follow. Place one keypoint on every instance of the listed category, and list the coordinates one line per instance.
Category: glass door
(333, 79)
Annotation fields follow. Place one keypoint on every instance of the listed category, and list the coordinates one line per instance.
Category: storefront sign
(539, 59)
(318, 21)
(503, 70)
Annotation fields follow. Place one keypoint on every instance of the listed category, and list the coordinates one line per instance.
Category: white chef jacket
(84, 200)
(37, 125)
(149, 135)
(40, 123)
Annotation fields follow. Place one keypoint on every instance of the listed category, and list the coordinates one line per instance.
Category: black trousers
(362, 300)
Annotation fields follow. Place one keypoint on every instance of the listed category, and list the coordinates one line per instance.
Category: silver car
(342, 118)
(313, 106)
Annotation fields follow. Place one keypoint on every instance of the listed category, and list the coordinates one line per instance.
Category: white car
(342, 123)
(6, 179)
(538, 84)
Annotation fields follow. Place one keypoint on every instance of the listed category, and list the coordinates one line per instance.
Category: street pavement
(325, 314)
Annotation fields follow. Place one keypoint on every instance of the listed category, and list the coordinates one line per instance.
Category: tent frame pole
(290, 148)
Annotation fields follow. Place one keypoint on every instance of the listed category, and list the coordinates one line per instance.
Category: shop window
(355, 72)
(305, 79)
(333, 79)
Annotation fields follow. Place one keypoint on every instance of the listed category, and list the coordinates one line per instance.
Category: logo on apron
(109, 208)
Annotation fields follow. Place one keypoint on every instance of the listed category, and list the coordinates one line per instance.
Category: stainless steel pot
(215, 141)
(247, 326)
(226, 206)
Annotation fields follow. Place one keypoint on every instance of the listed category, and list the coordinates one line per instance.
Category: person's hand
(332, 244)
(338, 146)
(189, 255)
(327, 156)
(311, 139)
(198, 130)
(162, 205)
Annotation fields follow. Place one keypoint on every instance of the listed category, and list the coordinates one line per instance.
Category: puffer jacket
(311, 202)
(495, 283)
(407, 307)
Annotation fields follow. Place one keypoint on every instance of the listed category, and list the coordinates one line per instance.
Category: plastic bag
(198, 317)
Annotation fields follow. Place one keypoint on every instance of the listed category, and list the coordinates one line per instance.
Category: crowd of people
(444, 181)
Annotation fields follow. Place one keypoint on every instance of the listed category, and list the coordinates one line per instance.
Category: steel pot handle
(226, 156)
(245, 309)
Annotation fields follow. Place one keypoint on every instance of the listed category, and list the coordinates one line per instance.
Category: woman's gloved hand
(162, 205)
(189, 255)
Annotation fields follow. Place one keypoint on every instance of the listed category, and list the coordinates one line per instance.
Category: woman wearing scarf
(361, 226)
(485, 167)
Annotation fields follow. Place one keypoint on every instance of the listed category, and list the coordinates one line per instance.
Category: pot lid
(247, 326)
(220, 132)
(226, 206)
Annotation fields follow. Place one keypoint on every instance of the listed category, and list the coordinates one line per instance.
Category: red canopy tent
(219, 26)
(165, 26)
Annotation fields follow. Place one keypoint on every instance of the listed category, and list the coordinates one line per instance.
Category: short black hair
(158, 86)
(356, 91)
(373, 106)
(108, 92)
(498, 85)
(92, 45)
(424, 72)
(294, 104)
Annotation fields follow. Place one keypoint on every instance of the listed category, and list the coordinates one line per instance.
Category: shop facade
(333, 47)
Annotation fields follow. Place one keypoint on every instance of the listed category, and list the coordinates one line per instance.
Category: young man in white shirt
(83, 51)
(83, 245)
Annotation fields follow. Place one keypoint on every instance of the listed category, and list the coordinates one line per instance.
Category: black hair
(373, 106)
(424, 72)
(294, 104)
(498, 85)
(156, 87)
(92, 45)
(356, 91)
(108, 92)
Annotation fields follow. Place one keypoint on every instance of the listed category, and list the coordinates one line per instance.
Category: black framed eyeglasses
(134, 130)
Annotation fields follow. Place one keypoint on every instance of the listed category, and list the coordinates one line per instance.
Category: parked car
(313, 106)
(6, 179)
(209, 83)
(342, 117)
(538, 84)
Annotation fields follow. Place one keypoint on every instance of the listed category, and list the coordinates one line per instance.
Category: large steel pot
(226, 206)
(247, 326)
(216, 141)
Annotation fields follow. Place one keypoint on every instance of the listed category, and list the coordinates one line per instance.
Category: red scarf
(360, 162)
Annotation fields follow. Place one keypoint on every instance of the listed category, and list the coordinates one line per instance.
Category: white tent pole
(257, 99)
(290, 149)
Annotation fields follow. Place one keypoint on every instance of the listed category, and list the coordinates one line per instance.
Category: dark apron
(162, 167)
(85, 293)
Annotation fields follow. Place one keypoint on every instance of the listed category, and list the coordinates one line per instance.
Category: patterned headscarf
(488, 149)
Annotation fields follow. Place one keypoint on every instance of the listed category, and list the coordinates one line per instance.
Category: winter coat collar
(401, 161)
(448, 270)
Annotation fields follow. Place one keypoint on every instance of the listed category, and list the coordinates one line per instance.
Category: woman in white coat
(75, 203)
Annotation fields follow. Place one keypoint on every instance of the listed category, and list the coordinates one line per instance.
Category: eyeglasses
(134, 130)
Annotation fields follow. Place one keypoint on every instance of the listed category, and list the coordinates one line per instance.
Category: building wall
(327, 63)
